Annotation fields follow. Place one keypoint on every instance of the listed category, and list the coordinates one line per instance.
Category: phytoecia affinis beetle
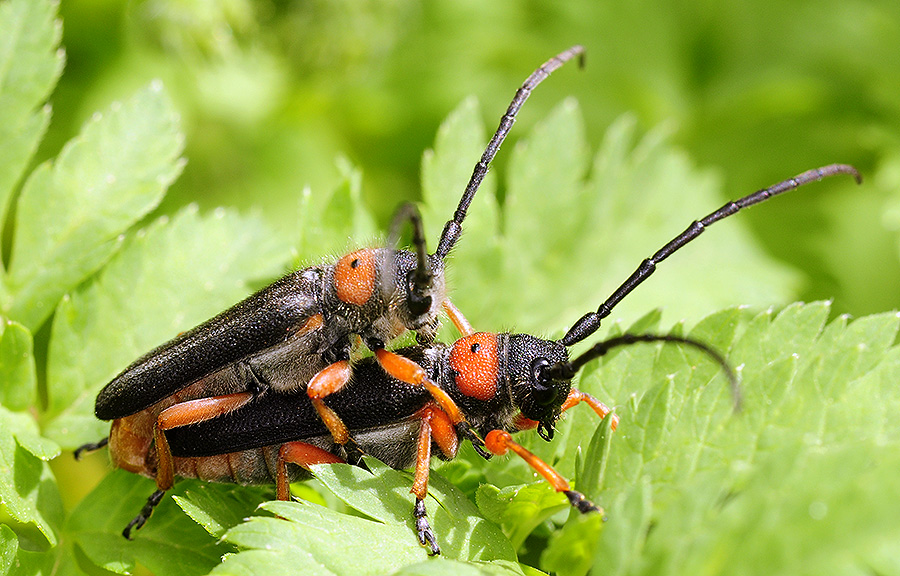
(501, 383)
(297, 332)
(498, 383)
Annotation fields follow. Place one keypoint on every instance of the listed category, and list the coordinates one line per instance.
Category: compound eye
(542, 390)
(418, 304)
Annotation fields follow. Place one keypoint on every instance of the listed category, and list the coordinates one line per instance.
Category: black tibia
(146, 511)
(423, 528)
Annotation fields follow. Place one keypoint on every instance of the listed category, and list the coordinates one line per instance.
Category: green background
(271, 92)
(684, 105)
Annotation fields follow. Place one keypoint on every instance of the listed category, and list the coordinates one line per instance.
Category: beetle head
(416, 294)
(536, 394)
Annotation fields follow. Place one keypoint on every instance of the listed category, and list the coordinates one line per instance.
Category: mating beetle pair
(267, 385)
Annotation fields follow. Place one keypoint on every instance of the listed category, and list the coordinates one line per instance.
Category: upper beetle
(298, 330)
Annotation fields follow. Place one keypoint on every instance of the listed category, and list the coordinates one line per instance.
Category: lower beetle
(501, 384)
(497, 383)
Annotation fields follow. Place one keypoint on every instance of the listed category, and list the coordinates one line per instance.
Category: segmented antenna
(453, 228)
(590, 322)
(567, 370)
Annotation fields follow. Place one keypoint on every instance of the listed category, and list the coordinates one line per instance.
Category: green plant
(802, 480)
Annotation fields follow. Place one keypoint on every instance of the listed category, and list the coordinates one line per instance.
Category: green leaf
(27, 488)
(454, 568)
(218, 507)
(30, 65)
(169, 544)
(9, 545)
(519, 509)
(17, 369)
(388, 500)
(70, 214)
(165, 280)
(309, 539)
(570, 550)
(571, 237)
(723, 491)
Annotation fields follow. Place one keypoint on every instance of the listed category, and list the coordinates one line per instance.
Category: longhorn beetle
(296, 333)
(498, 383)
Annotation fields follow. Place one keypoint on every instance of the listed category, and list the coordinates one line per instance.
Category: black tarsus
(423, 528)
(581, 503)
(567, 370)
(465, 431)
(90, 447)
(590, 322)
(453, 228)
(138, 521)
(419, 282)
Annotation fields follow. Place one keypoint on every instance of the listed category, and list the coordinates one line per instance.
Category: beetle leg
(90, 447)
(329, 380)
(184, 414)
(455, 316)
(141, 518)
(420, 485)
(500, 442)
(406, 370)
(574, 398)
(302, 454)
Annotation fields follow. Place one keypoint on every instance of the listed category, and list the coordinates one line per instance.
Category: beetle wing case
(377, 409)
(265, 320)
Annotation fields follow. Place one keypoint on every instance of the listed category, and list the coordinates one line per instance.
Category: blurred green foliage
(316, 114)
(272, 91)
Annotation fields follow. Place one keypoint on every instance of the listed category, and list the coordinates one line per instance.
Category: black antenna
(420, 280)
(590, 322)
(567, 370)
(453, 228)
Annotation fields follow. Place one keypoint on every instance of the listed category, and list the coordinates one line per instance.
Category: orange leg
(420, 482)
(302, 454)
(462, 325)
(574, 398)
(329, 380)
(406, 370)
(500, 442)
(182, 414)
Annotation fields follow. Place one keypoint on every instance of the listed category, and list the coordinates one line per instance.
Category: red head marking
(355, 277)
(474, 359)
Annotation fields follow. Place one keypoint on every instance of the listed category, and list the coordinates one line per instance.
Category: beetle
(502, 383)
(297, 331)
(497, 383)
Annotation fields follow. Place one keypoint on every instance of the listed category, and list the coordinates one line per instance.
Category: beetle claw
(138, 521)
(583, 505)
(423, 529)
(354, 454)
(464, 430)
